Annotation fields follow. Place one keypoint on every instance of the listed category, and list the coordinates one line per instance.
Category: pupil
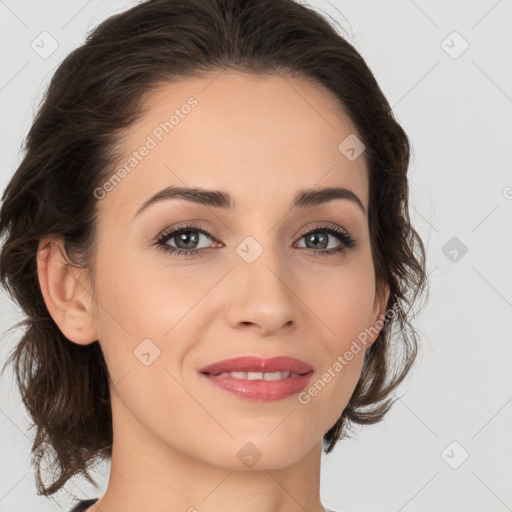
(315, 238)
(186, 237)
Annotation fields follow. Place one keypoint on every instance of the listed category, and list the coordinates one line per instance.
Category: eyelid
(187, 226)
(324, 226)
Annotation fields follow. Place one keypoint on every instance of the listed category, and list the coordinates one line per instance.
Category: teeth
(275, 375)
(258, 375)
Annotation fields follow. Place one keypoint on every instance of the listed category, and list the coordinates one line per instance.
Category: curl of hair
(95, 94)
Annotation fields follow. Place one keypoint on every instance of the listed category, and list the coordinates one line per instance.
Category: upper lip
(258, 364)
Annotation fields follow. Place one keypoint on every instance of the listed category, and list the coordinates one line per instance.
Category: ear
(65, 292)
(378, 312)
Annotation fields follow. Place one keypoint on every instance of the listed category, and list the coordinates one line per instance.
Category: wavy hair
(94, 95)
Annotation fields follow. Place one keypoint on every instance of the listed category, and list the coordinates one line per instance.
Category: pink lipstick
(260, 379)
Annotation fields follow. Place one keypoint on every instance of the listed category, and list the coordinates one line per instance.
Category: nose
(262, 296)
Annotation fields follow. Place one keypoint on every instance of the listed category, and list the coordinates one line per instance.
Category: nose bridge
(261, 263)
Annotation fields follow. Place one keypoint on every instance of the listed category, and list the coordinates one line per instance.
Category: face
(263, 278)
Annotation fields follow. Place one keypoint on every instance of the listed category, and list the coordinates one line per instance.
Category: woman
(209, 234)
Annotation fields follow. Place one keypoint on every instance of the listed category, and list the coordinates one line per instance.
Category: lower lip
(266, 390)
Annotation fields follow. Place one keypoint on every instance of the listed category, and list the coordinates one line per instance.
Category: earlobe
(64, 291)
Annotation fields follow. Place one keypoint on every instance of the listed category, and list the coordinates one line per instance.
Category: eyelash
(347, 241)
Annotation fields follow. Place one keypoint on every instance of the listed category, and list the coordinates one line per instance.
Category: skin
(176, 437)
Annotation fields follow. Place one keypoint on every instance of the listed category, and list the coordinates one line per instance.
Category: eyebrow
(221, 199)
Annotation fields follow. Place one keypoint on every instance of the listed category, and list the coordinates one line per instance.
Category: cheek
(140, 301)
(344, 300)
(343, 305)
(133, 292)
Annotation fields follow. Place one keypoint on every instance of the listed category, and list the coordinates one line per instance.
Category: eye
(320, 236)
(187, 238)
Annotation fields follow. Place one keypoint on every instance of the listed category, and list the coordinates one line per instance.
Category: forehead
(262, 138)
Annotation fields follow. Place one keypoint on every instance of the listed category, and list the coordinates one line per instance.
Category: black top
(83, 505)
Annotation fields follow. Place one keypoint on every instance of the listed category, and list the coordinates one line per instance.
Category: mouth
(259, 379)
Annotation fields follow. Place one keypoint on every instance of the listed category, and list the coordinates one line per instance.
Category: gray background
(457, 111)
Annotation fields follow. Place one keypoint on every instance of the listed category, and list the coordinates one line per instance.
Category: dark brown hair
(70, 150)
